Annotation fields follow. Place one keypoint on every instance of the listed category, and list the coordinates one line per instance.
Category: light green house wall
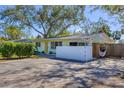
(46, 45)
(41, 48)
(64, 43)
(48, 49)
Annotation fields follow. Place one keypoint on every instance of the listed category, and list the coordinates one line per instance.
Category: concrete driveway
(48, 73)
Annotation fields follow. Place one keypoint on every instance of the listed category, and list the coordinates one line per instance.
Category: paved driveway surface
(57, 73)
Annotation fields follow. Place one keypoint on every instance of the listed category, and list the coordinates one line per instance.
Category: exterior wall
(41, 48)
(81, 53)
(64, 43)
(49, 48)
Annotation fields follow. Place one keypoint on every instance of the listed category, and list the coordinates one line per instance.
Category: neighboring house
(49, 45)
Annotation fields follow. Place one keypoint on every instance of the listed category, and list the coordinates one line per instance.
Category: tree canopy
(116, 35)
(13, 33)
(55, 21)
(96, 27)
(46, 20)
(117, 10)
(3, 39)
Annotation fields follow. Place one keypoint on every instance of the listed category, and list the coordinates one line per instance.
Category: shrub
(19, 49)
(29, 49)
(0, 49)
(1, 43)
(51, 52)
(43, 52)
(7, 49)
(24, 49)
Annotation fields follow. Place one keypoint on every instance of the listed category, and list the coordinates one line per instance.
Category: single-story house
(49, 45)
(75, 47)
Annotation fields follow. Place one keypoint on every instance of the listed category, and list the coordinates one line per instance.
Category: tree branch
(29, 24)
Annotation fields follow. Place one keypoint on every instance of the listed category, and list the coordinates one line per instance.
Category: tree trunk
(45, 36)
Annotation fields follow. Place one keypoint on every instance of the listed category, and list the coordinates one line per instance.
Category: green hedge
(0, 47)
(1, 43)
(24, 49)
(9, 49)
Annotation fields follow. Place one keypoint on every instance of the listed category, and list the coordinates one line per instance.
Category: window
(54, 44)
(81, 43)
(78, 43)
(73, 44)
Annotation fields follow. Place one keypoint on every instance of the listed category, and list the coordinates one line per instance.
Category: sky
(94, 17)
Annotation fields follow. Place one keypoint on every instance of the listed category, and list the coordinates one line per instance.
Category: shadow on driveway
(49, 56)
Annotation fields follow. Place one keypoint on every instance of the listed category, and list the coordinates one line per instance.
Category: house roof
(95, 38)
(101, 38)
(72, 37)
(23, 40)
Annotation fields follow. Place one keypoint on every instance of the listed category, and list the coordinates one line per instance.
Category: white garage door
(81, 53)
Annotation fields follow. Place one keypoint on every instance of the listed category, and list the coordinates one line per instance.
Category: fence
(113, 50)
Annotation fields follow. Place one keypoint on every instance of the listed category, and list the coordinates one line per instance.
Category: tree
(65, 33)
(86, 27)
(116, 35)
(3, 39)
(122, 31)
(101, 26)
(89, 27)
(105, 29)
(113, 10)
(45, 20)
(13, 33)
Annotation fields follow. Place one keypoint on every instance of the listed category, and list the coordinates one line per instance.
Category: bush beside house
(24, 49)
(9, 49)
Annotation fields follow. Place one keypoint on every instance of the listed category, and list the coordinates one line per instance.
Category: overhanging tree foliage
(13, 33)
(113, 9)
(46, 20)
(96, 27)
(116, 10)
